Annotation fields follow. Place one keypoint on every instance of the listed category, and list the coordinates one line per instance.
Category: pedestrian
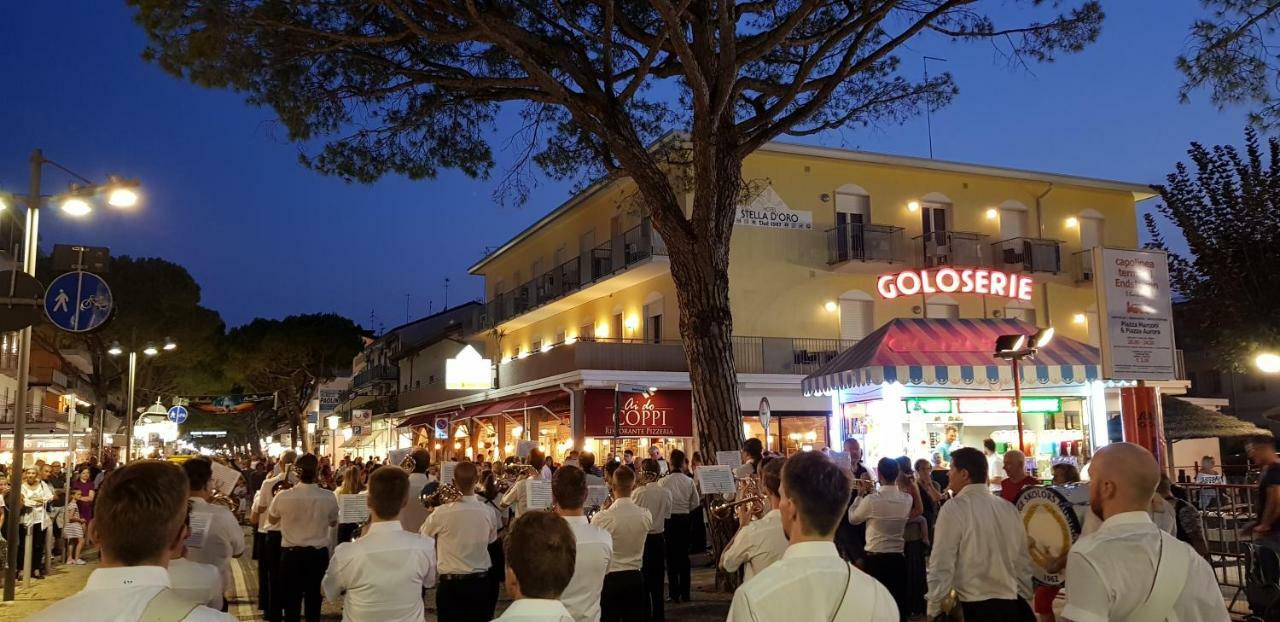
(541, 553)
(594, 546)
(462, 531)
(811, 581)
(270, 585)
(995, 462)
(34, 520)
(219, 537)
(980, 548)
(852, 539)
(1129, 569)
(684, 501)
(759, 542)
(140, 526)
(587, 462)
(623, 598)
(73, 532)
(886, 512)
(1016, 476)
(1188, 529)
(305, 513)
(381, 575)
(657, 500)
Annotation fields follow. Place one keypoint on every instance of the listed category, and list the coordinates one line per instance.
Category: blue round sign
(78, 302)
(178, 414)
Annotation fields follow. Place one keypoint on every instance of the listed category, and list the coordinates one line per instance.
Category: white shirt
(223, 540)
(380, 576)
(545, 473)
(36, 497)
(657, 500)
(885, 512)
(263, 503)
(995, 467)
(535, 610)
(746, 469)
(593, 480)
(305, 513)
(807, 584)
(758, 545)
(628, 524)
(119, 595)
(413, 512)
(1110, 573)
(979, 550)
(196, 582)
(518, 495)
(684, 497)
(463, 530)
(595, 551)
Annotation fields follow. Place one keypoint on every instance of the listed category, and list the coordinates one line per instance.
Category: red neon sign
(955, 280)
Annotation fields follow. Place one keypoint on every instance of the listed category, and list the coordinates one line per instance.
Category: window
(618, 326)
(942, 308)
(587, 332)
(857, 316)
(1091, 229)
(1013, 220)
(560, 336)
(417, 384)
(1018, 312)
(1208, 382)
(653, 318)
(536, 346)
(431, 379)
(853, 212)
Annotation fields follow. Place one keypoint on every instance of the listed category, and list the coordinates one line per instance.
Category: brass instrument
(447, 493)
(748, 492)
(644, 478)
(512, 474)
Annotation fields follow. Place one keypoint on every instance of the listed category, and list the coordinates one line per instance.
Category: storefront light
(523, 354)
(437, 445)
(811, 436)
(457, 445)
(518, 430)
(506, 449)
(1268, 363)
(806, 447)
(602, 331)
(633, 323)
(547, 346)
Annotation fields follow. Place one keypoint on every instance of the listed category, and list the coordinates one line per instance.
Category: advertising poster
(1137, 331)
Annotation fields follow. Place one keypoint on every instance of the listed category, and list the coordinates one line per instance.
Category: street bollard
(26, 558)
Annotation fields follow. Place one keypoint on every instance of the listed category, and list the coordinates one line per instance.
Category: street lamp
(149, 350)
(1016, 348)
(75, 202)
(1268, 363)
(333, 421)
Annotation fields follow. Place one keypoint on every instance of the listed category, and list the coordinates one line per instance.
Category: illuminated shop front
(495, 429)
(663, 418)
(920, 387)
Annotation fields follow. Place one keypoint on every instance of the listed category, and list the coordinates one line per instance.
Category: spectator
(1016, 477)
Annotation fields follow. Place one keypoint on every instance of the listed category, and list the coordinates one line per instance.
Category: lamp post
(1016, 348)
(149, 350)
(333, 421)
(119, 193)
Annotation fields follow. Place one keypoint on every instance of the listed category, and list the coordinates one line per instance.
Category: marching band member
(653, 497)
(414, 512)
(270, 588)
(223, 538)
(684, 499)
(623, 598)
(752, 456)
(540, 563)
(758, 543)
(885, 512)
(381, 575)
(305, 514)
(463, 530)
(518, 495)
(594, 546)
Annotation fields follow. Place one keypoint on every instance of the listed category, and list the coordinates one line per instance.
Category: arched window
(942, 308)
(1018, 310)
(857, 315)
(1092, 229)
(1013, 221)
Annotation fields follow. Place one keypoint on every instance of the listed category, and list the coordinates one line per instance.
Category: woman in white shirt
(351, 485)
(35, 518)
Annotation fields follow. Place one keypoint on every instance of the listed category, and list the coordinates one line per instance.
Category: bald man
(1129, 569)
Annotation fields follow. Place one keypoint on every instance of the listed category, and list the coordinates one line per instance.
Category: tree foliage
(1231, 53)
(1227, 206)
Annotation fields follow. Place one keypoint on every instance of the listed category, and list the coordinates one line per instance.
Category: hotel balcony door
(853, 211)
(933, 218)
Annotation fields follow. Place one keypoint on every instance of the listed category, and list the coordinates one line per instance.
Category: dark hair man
(623, 599)
(995, 462)
(587, 461)
(140, 524)
(594, 545)
(381, 575)
(414, 513)
(811, 581)
(758, 543)
(684, 501)
(223, 538)
(540, 551)
(657, 500)
(305, 514)
(463, 530)
(852, 539)
(270, 580)
(885, 512)
(980, 548)
(518, 495)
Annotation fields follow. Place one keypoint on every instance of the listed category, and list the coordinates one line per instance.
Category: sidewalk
(63, 581)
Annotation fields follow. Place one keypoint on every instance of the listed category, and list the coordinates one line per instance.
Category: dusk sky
(226, 197)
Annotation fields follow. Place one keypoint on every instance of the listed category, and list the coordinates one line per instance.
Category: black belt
(303, 548)
(465, 577)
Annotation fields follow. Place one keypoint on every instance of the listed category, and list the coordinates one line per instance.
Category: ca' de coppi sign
(980, 281)
(667, 413)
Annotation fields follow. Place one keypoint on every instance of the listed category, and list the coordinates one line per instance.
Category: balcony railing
(866, 242)
(616, 255)
(35, 414)
(785, 355)
(1028, 254)
(952, 248)
(1082, 265)
(376, 373)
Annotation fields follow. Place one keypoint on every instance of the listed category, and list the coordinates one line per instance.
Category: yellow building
(583, 300)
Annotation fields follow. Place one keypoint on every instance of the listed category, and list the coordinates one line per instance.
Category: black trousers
(301, 569)
(1015, 610)
(464, 600)
(890, 569)
(678, 581)
(497, 574)
(623, 596)
(653, 567)
(271, 588)
(37, 546)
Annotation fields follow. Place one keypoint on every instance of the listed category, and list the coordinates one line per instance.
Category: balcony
(866, 242)
(586, 277)
(1082, 266)
(35, 414)
(951, 248)
(374, 374)
(1028, 255)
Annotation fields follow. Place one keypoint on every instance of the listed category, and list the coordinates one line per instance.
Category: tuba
(447, 493)
(408, 463)
(748, 492)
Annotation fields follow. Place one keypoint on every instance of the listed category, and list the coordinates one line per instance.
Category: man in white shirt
(684, 501)
(811, 581)
(270, 581)
(540, 555)
(414, 513)
(657, 500)
(463, 530)
(655, 453)
(594, 546)
(623, 599)
(518, 495)
(305, 513)
(885, 513)
(979, 548)
(758, 543)
(1129, 569)
(140, 524)
(196, 582)
(223, 538)
(381, 575)
(995, 463)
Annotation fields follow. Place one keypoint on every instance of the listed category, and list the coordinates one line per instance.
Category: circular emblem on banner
(1052, 517)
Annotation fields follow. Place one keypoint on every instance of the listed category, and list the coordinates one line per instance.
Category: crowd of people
(825, 542)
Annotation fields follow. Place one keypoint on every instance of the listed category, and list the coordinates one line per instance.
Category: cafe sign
(666, 413)
(981, 281)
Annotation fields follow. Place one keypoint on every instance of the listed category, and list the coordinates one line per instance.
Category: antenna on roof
(928, 108)
(446, 292)
(407, 299)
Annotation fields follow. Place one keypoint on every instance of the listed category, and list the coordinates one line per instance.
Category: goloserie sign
(955, 280)
(664, 413)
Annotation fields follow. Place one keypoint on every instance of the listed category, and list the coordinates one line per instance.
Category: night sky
(226, 197)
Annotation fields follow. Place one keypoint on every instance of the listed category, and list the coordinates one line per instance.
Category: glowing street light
(1268, 363)
(169, 345)
(75, 206)
(1015, 348)
(150, 350)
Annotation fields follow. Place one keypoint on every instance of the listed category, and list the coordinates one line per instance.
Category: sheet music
(716, 479)
(732, 459)
(224, 478)
(446, 472)
(841, 459)
(539, 494)
(199, 529)
(354, 509)
(596, 496)
(396, 456)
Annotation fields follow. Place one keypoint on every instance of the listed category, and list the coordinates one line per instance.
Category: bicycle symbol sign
(78, 302)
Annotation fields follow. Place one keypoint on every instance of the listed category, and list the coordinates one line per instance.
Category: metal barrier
(1226, 512)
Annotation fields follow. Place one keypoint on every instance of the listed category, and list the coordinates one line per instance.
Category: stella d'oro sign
(768, 209)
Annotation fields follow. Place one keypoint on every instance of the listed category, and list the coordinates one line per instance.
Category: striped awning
(953, 353)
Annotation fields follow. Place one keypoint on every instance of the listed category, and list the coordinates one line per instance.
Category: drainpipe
(576, 423)
(1044, 289)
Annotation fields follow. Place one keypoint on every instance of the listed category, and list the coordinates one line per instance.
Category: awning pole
(1017, 402)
